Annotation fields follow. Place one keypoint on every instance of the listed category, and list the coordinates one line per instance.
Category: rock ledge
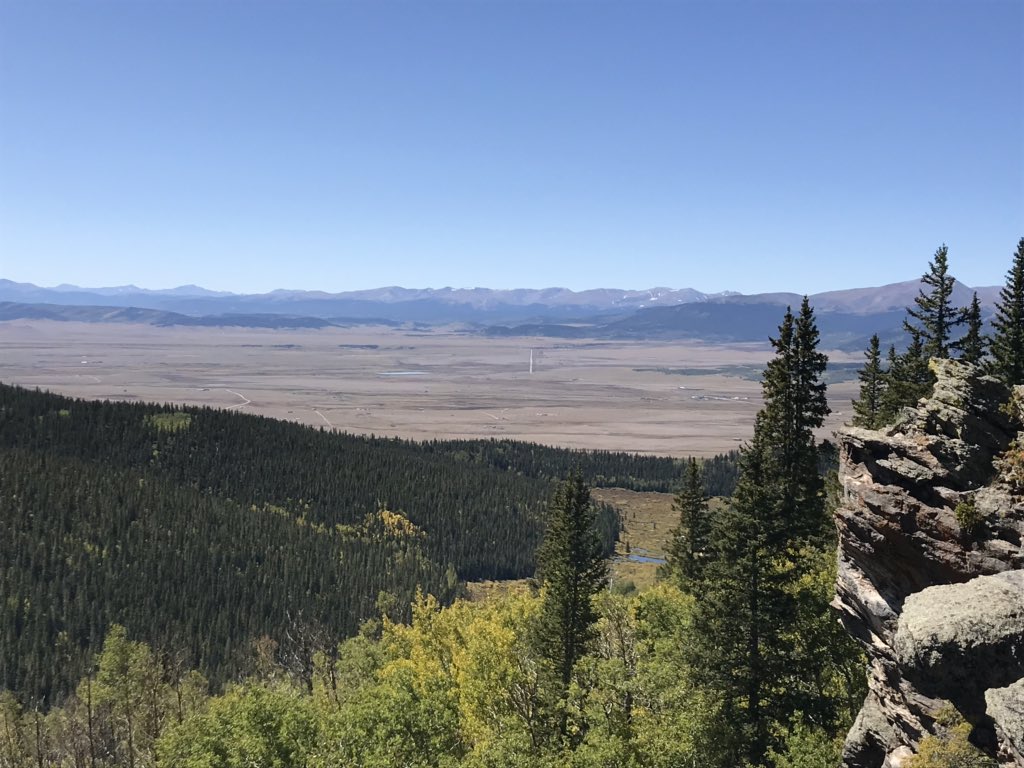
(938, 603)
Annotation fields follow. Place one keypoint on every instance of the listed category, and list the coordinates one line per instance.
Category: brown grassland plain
(439, 383)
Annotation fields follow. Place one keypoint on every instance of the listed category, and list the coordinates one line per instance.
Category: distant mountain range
(430, 305)
(846, 318)
(129, 290)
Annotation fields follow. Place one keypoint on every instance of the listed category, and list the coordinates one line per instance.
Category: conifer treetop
(935, 315)
(1008, 324)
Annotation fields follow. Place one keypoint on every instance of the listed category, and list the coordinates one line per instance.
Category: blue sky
(758, 146)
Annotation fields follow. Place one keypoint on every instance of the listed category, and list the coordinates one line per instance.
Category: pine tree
(907, 379)
(572, 569)
(1008, 324)
(689, 544)
(746, 604)
(935, 315)
(867, 409)
(972, 346)
(795, 405)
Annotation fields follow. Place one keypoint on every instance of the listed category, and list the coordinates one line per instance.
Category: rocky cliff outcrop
(931, 526)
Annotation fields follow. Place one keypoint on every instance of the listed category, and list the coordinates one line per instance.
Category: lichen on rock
(1006, 708)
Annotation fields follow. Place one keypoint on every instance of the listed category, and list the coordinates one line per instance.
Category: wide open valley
(668, 398)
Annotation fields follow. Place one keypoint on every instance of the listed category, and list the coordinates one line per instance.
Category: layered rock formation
(931, 526)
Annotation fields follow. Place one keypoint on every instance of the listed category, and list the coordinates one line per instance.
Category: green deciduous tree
(935, 315)
(129, 688)
(688, 547)
(269, 725)
(808, 747)
(867, 409)
(1008, 324)
(952, 748)
(643, 707)
(14, 749)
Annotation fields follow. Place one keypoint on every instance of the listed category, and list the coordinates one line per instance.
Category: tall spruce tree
(796, 404)
(972, 345)
(867, 409)
(935, 314)
(689, 544)
(746, 604)
(1008, 324)
(907, 379)
(572, 569)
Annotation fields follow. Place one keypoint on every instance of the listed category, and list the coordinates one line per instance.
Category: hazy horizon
(640, 289)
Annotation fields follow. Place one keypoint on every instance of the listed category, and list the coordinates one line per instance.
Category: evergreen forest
(200, 530)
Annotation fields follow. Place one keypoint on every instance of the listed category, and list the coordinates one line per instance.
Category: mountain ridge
(864, 299)
(847, 317)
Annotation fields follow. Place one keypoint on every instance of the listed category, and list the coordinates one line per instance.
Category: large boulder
(1006, 708)
(958, 640)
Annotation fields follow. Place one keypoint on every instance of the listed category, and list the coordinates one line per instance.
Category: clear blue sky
(247, 146)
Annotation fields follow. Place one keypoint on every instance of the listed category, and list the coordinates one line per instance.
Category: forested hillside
(200, 530)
